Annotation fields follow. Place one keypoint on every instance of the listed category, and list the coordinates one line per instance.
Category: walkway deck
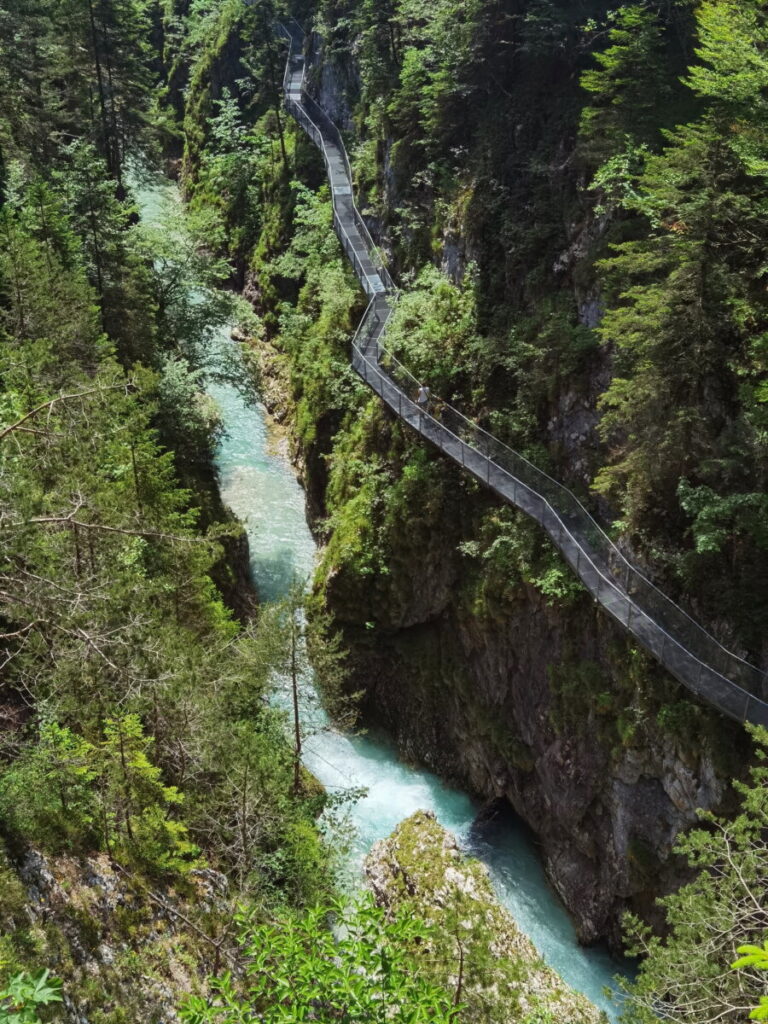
(684, 648)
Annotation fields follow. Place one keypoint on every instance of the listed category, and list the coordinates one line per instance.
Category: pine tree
(686, 978)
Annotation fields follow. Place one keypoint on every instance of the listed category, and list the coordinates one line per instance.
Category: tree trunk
(296, 717)
(100, 84)
(460, 982)
(126, 787)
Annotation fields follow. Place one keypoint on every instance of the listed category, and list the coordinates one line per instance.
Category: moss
(497, 738)
(507, 552)
(154, 955)
(16, 942)
(581, 690)
(503, 978)
(88, 927)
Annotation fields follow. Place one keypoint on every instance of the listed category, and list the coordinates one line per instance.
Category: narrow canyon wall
(510, 687)
(542, 702)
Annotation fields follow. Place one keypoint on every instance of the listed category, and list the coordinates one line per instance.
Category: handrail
(314, 132)
(685, 648)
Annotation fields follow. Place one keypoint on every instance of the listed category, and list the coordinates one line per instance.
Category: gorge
(557, 785)
(570, 198)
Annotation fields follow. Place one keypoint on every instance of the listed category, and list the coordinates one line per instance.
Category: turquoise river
(257, 482)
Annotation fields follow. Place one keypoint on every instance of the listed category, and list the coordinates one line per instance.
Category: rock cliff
(85, 920)
(487, 662)
(539, 700)
(481, 955)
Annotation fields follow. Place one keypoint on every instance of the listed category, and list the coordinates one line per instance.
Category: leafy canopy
(352, 966)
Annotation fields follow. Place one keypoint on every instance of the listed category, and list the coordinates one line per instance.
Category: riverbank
(258, 482)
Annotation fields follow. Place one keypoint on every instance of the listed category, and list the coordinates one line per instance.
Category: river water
(258, 483)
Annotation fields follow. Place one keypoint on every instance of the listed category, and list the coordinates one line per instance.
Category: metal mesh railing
(687, 650)
(347, 219)
(331, 133)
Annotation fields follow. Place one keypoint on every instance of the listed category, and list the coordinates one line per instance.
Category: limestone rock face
(88, 919)
(503, 979)
(538, 700)
(532, 707)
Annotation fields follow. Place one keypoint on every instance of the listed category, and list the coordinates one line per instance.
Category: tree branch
(54, 401)
(71, 521)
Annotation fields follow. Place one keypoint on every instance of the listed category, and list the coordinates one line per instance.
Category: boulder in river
(475, 946)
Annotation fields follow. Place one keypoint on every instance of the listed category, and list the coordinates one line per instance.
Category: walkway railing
(686, 649)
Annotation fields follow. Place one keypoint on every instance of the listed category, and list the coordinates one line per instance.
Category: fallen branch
(70, 521)
(54, 401)
(218, 944)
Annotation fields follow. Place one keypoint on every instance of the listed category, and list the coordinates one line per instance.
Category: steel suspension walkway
(715, 674)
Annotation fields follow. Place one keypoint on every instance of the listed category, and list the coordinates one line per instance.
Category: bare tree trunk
(76, 538)
(97, 257)
(245, 846)
(126, 786)
(114, 142)
(100, 83)
(296, 717)
(460, 982)
(12, 251)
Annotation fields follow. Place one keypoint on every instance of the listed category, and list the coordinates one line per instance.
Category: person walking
(422, 398)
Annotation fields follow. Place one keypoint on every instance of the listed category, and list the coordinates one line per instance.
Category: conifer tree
(686, 976)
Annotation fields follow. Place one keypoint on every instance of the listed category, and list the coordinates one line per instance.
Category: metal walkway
(684, 648)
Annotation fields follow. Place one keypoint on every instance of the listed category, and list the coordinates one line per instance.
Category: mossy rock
(475, 947)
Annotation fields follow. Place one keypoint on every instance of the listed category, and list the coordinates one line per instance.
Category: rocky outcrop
(481, 953)
(544, 703)
(123, 947)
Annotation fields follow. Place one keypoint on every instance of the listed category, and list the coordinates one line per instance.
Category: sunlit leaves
(24, 993)
(686, 977)
(329, 964)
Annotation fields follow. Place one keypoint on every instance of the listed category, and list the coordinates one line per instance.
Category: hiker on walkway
(422, 398)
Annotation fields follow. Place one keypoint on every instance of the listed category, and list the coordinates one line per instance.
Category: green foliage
(207, 37)
(757, 957)
(435, 57)
(686, 975)
(47, 795)
(433, 330)
(733, 74)
(315, 332)
(144, 729)
(683, 414)
(628, 86)
(75, 70)
(719, 520)
(66, 793)
(230, 185)
(752, 956)
(137, 805)
(328, 964)
(24, 993)
(509, 551)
